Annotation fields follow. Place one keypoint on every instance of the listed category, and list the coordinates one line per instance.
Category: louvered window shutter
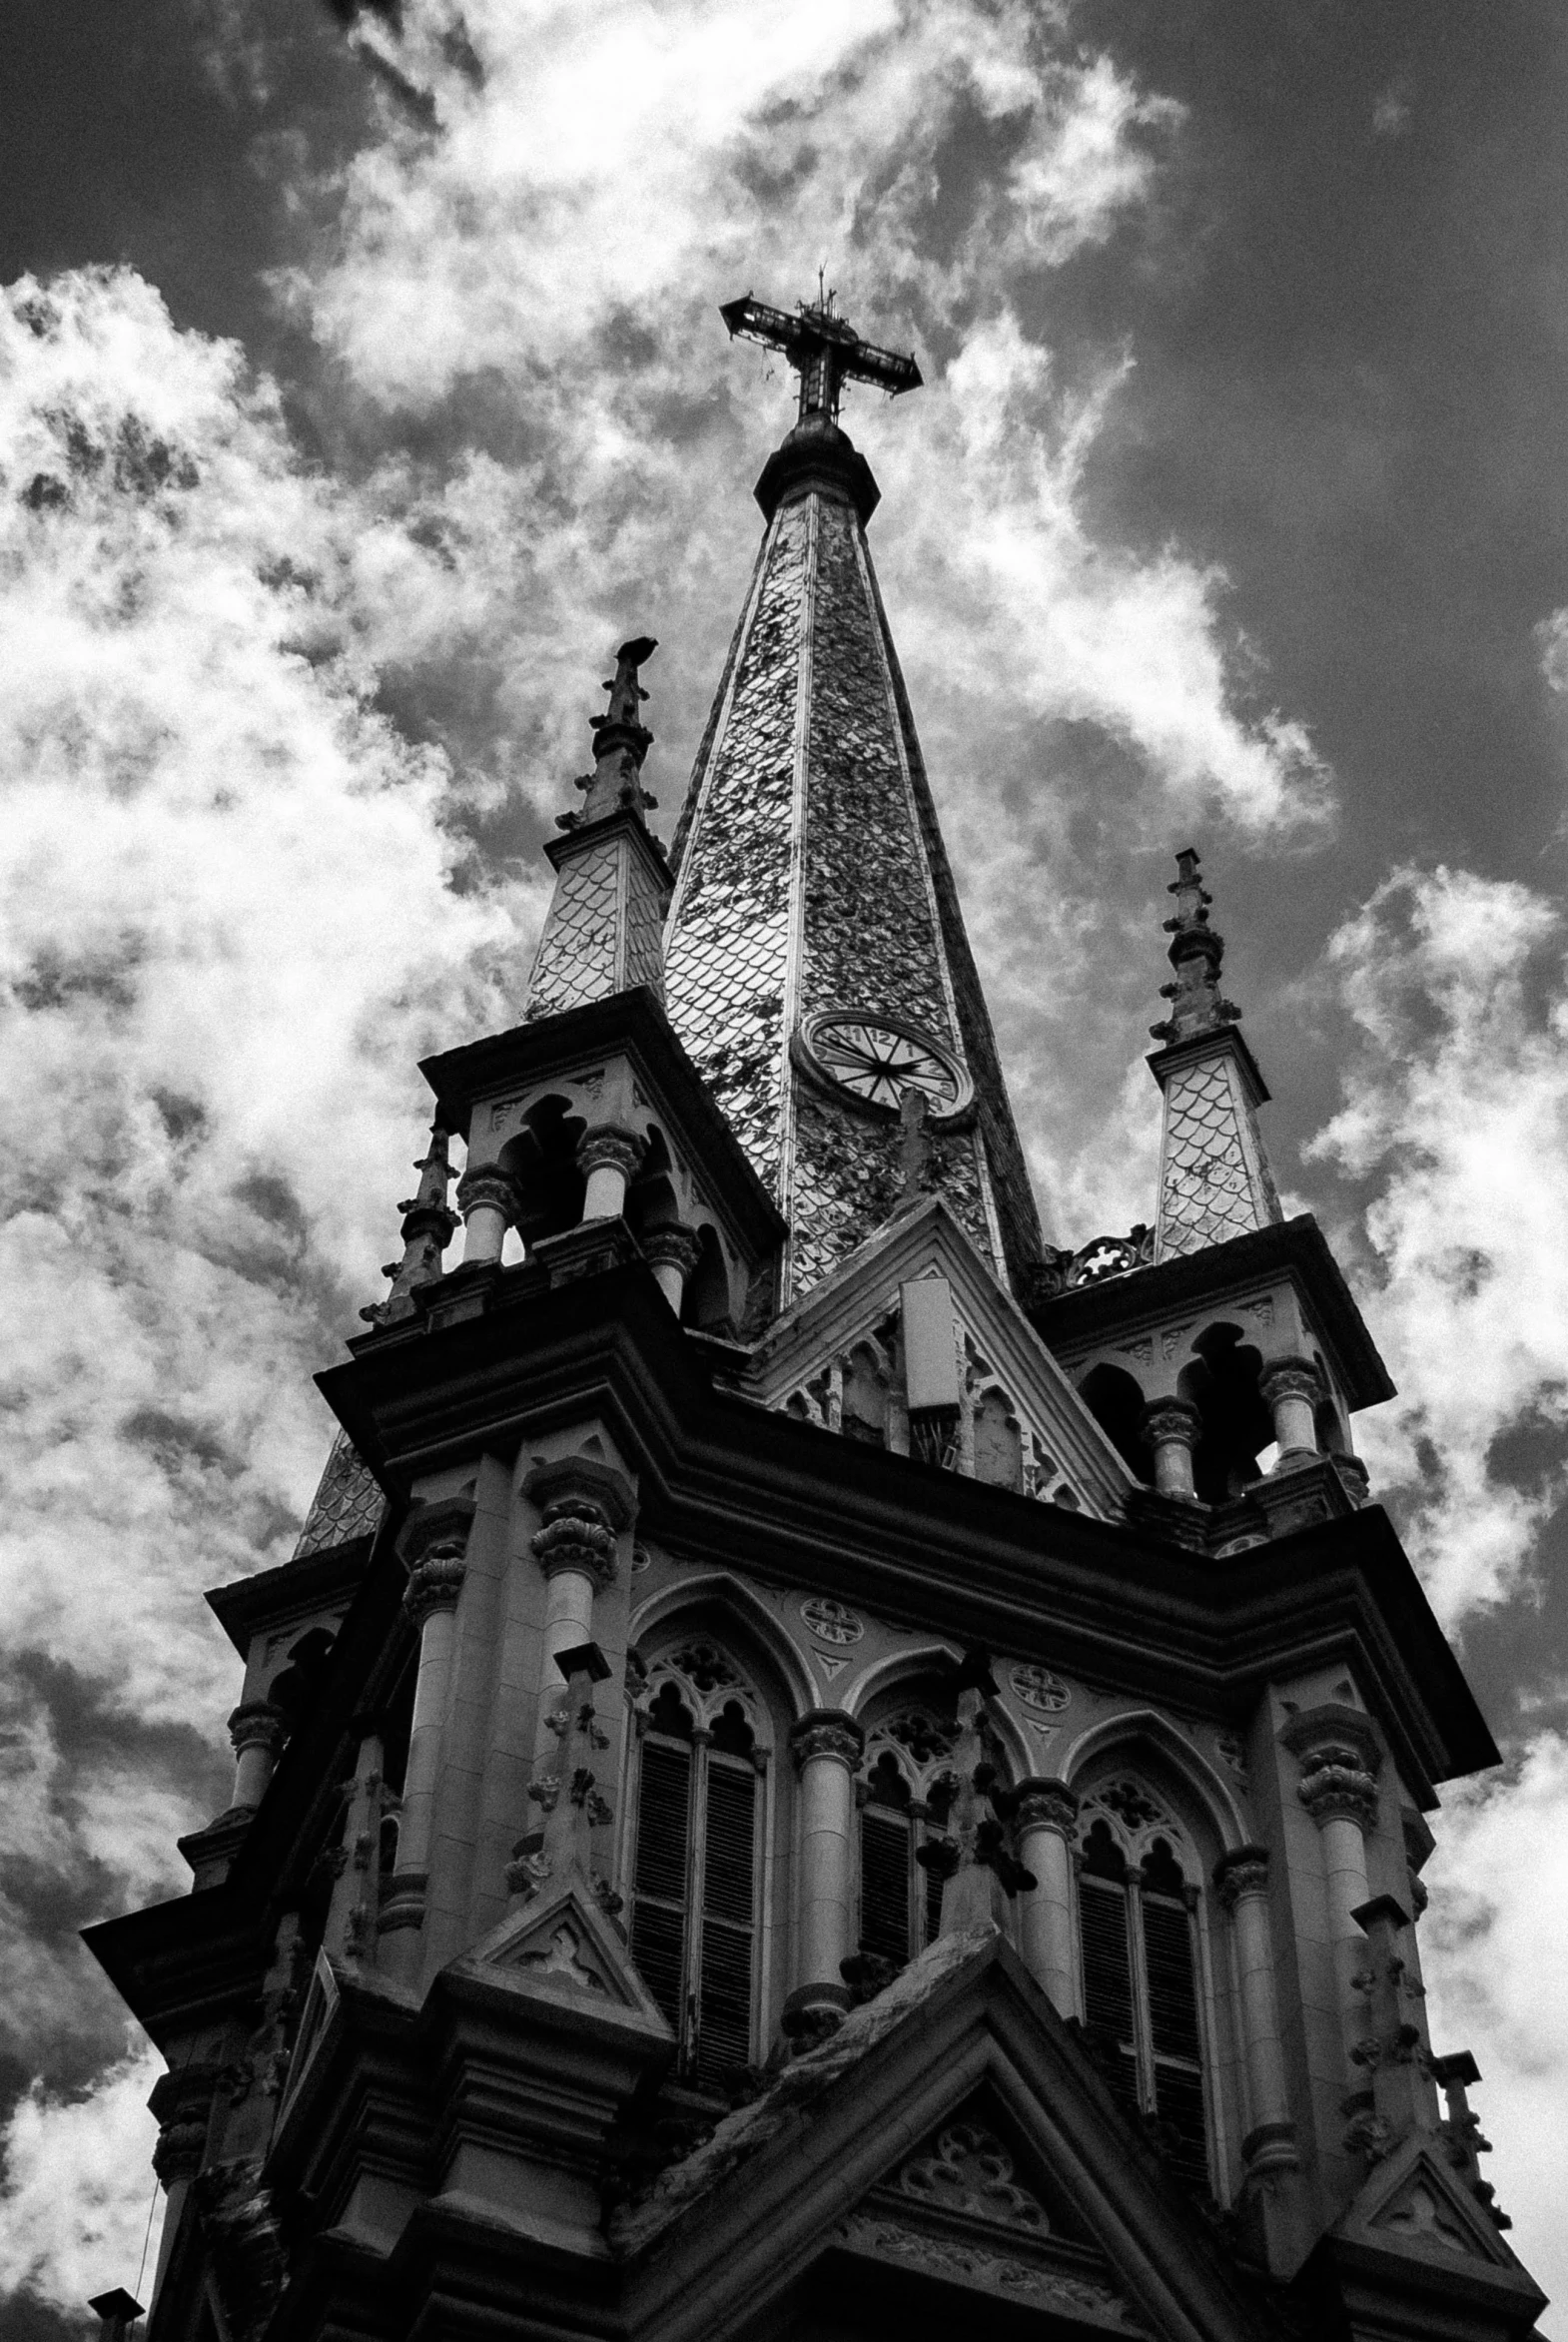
(728, 1889)
(1108, 1983)
(1170, 1972)
(659, 1922)
(884, 1884)
(933, 1894)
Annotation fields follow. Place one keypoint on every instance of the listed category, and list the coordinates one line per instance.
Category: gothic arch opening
(1145, 1848)
(1221, 1383)
(702, 1845)
(542, 1159)
(1117, 1404)
(706, 1299)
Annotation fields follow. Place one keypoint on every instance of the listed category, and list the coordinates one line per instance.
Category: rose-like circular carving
(1038, 1687)
(881, 1061)
(831, 1622)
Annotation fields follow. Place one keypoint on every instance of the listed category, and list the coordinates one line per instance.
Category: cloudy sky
(361, 384)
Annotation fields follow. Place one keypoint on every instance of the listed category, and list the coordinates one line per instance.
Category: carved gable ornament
(843, 1359)
(960, 2208)
(1412, 2200)
(561, 1946)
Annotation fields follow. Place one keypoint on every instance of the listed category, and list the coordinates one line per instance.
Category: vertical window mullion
(1138, 1961)
(696, 1882)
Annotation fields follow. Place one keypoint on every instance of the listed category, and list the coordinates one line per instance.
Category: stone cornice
(296, 1589)
(859, 1523)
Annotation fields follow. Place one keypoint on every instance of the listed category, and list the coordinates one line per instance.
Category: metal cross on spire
(823, 347)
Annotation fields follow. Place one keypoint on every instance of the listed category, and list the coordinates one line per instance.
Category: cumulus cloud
(1495, 1928)
(941, 155)
(235, 908)
(1551, 641)
(229, 926)
(76, 2208)
(1456, 1113)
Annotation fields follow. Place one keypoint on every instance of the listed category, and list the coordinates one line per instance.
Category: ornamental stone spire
(601, 934)
(816, 965)
(1214, 1179)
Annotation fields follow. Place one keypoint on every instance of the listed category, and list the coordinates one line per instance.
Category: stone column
(489, 1203)
(1171, 1429)
(1241, 1879)
(827, 1746)
(608, 1159)
(672, 1253)
(257, 1732)
(1292, 1390)
(586, 1505)
(181, 2100)
(1340, 1759)
(434, 1543)
(1046, 1814)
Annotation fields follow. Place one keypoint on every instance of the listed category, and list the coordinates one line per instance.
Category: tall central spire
(816, 966)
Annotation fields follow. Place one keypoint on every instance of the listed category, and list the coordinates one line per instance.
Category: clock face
(881, 1063)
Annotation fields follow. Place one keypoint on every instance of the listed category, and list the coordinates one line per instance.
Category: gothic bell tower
(822, 1765)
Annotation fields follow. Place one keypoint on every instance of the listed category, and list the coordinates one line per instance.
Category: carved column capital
(577, 1536)
(490, 1185)
(1340, 1757)
(1040, 1804)
(1240, 1873)
(827, 1732)
(1171, 1422)
(257, 1724)
(182, 2102)
(1336, 1784)
(611, 1148)
(673, 1245)
(432, 1544)
(1281, 1378)
(435, 1582)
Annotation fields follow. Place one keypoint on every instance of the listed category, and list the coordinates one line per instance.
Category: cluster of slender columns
(492, 1201)
(1173, 1427)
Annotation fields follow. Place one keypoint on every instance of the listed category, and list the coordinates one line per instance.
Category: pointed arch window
(1142, 2004)
(906, 1792)
(695, 1875)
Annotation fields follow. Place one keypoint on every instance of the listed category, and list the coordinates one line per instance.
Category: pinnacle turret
(601, 934)
(1214, 1179)
(429, 1227)
(1196, 952)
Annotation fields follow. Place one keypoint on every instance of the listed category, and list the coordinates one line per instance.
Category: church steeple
(1214, 1179)
(816, 964)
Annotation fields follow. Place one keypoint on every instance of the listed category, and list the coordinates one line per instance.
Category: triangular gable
(1414, 2200)
(561, 1947)
(954, 2134)
(1069, 1459)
